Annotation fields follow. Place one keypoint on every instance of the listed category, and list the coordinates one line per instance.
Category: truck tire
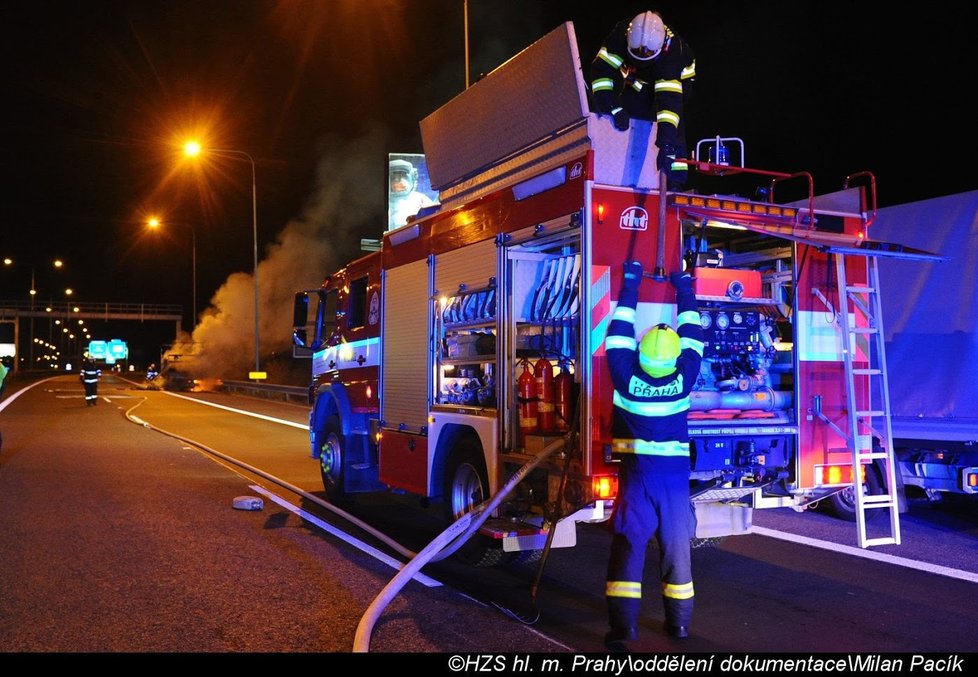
(843, 503)
(330, 445)
(466, 486)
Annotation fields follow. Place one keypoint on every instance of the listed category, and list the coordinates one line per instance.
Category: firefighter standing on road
(644, 67)
(90, 375)
(652, 380)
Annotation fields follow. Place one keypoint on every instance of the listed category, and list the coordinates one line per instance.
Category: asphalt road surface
(121, 533)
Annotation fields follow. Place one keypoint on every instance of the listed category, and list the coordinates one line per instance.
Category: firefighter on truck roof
(644, 67)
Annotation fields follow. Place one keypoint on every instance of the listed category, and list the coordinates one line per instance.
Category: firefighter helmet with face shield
(658, 350)
(403, 177)
(646, 35)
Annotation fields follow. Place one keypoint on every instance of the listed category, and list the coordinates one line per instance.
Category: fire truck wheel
(843, 503)
(466, 486)
(330, 446)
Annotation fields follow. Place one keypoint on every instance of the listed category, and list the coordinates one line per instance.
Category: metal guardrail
(268, 390)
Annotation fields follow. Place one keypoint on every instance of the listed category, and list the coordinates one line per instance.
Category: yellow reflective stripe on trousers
(667, 116)
(644, 448)
(681, 591)
(630, 589)
(669, 86)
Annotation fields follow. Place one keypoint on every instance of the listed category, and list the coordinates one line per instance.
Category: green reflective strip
(653, 363)
(688, 317)
(692, 343)
(679, 167)
(637, 85)
(602, 85)
(667, 116)
(682, 591)
(613, 342)
(669, 86)
(645, 448)
(689, 71)
(611, 59)
(651, 408)
(629, 589)
(624, 313)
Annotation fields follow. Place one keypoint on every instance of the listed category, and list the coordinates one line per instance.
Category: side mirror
(300, 315)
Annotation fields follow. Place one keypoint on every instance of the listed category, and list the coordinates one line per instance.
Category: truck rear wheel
(843, 503)
(466, 486)
(330, 448)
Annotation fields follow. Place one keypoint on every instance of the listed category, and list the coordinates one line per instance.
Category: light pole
(193, 149)
(154, 223)
(56, 264)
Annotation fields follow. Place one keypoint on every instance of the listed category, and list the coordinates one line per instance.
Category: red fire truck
(472, 341)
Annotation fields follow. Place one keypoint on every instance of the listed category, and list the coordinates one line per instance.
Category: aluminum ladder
(861, 323)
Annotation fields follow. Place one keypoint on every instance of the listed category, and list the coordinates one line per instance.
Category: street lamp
(156, 223)
(192, 149)
(57, 264)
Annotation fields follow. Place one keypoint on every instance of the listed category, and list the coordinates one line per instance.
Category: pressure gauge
(723, 321)
(738, 318)
(706, 320)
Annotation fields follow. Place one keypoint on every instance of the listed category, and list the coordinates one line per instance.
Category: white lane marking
(14, 396)
(240, 411)
(355, 542)
(869, 554)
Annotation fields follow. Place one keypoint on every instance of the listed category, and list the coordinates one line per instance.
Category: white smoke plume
(347, 204)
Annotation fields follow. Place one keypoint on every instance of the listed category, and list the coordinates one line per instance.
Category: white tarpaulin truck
(932, 344)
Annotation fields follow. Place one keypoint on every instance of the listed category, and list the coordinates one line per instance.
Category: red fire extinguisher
(526, 396)
(543, 371)
(563, 384)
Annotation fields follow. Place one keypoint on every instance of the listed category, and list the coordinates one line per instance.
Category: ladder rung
(869, 413)
(878, 501)
(863, 330)
(861, 289)
(871, 455)
(889, 540)
(868, 372)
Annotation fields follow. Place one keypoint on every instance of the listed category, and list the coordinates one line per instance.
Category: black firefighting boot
(677, 631)
(616, 640)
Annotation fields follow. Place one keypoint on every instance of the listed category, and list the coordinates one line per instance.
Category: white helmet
(646, 34)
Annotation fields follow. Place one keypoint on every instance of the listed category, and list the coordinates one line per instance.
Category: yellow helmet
(658, 350)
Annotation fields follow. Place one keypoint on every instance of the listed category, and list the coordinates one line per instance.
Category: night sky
(99, 95)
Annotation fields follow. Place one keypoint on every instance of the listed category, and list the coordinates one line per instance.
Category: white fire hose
(443, 545)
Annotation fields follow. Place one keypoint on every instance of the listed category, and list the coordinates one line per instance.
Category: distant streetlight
(193, 149)
(155, 223)
(56, 264)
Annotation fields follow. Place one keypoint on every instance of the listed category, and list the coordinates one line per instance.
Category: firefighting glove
(633, 275)
(682, 281)
(620, 116)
